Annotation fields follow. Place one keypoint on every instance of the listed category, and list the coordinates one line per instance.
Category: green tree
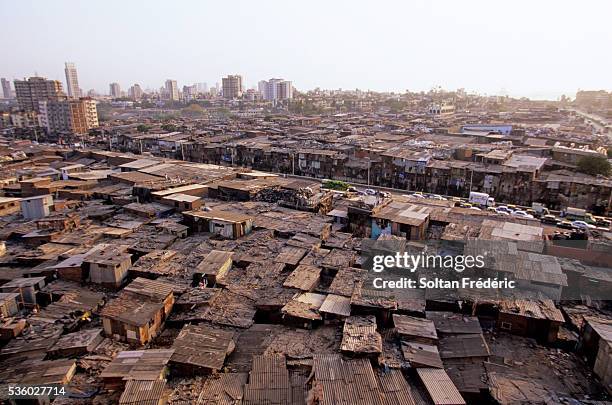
(169, 127)
(143, 128)
(594, 165)
(609, 152)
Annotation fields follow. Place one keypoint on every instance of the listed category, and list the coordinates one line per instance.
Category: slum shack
(440, 387)
(139, 365)
(201, 349)
(450, 323)
(360, 338)
(76, 343)
(303, 311)
(415, 329)
(470, 348)
(304, 278)
(231, 225)
(539, 319)
(108, 266)
(183, 202)
(270, 383)
(290, 256)
(369, 301)
(213, 268)
(420, 355)
(596, 345)
(335, 308)
(139, 312)
(9, 304)
(26, 288)
(144, 392)
(401, 219)
(224, 388)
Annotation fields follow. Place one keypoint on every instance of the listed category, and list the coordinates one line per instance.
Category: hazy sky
(535, 48)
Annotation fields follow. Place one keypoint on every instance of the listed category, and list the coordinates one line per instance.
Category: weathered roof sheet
(138, 392)
(202, 346)
(360, 336)
(304, 278)
(440, 387)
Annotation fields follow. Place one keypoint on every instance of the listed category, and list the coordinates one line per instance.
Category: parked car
(565, 225)
(437, 197)
(369, 191)
(522, 214)
(503, 208)
(475, 208)
(582, 225)
(602, 222)
(417, 195)
(549, 219)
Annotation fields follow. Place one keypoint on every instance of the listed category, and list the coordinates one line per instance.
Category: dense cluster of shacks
(142, 280)
(524, 155)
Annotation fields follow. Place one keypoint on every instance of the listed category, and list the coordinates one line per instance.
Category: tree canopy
(594, 165)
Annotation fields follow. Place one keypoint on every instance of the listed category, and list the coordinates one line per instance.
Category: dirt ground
(558, 371)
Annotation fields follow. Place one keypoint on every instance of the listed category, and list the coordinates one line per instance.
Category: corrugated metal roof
(143, 393)
(440, 387)
(202, 346)
(337, 305)
(304, 277)
(223, 389)
(360, 336)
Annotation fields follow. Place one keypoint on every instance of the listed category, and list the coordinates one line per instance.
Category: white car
(582, 225)
(437, 197)
(522, 214)
(369, 191)
(501, 211)
(417, 195)
(475, 208)
(503, 208)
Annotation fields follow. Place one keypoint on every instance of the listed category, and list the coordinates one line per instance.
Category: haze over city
(540, 49)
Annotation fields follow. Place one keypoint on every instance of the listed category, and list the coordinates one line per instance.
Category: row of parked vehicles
(570, 218)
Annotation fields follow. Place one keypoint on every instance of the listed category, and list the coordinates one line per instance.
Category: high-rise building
(69, 115)
(190, 92)
(135, 92)
(172, 90)
(6, 88)
(276, 89)
(29, 92)
(232, 86)
(285, 90)
(201, 88)
(72, 80)
(115, 90)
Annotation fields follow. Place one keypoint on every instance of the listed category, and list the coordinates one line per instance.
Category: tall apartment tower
(115, 90)
(69, 115)
(232, 86)
(135, 92)
(6, 88)
(285, 90)
(72, 80)
(29, 92)
(276, 89)
(172, 90)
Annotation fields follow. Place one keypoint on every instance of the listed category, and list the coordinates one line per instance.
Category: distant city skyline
(534, 49)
